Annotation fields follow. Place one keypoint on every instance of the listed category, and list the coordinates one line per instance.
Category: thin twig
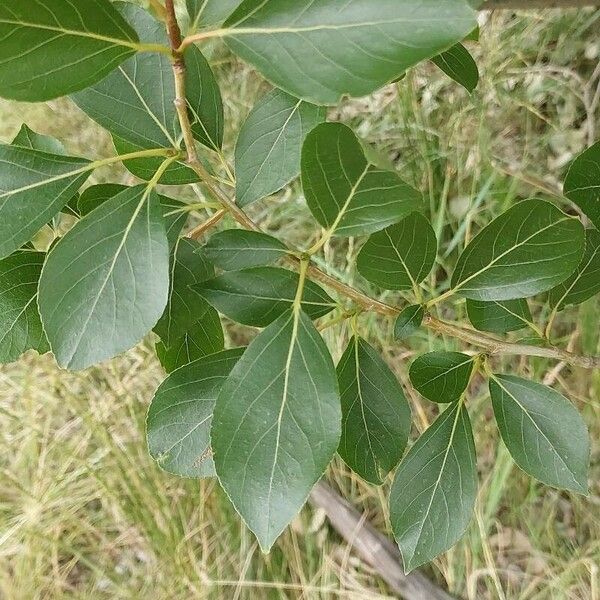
(536, 4)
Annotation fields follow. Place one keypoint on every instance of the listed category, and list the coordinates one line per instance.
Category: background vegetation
(85, 512)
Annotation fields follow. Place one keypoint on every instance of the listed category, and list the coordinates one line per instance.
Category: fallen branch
(373, 547)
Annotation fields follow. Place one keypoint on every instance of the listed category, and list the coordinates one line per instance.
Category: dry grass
(84, 512)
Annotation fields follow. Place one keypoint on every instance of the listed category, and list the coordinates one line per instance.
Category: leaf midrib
(87, 34)
(295, 322)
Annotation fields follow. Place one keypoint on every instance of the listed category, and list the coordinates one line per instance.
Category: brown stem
(365, 302)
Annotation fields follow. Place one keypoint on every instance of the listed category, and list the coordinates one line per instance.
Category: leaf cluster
(267, 419)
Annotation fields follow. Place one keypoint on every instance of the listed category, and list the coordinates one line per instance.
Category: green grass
(85, 513)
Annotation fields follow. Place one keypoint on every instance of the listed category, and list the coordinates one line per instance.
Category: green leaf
(499, 316)
(459, 65)
(110, 275)
(174, 221)
(345, 193)
(408, 321)
(20, 325)
(27, 138)
(375, 415)
(582, 183)
(35, 187)
(210, 12)
(529, 249)
(260, 295)
(321, 51)
(400, 256)
(434, 491)
(473, 36)
(136, 101)
(204, 337)
(236, 249)
(180, 415)
(585, 282)
(57, 47)
(184, 306)
(95, 195)
(267, 153)
(441, 376)
(276, 424)
(543, 431)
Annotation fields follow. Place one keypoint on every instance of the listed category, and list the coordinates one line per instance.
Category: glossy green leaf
(499, 316)
(35, 186)
(110, 275)
(473, 36)
(180, 415)
(434, 491)
(203, 337)
(344, 192)
(27, 138)
(56, 47)
(174, 218)
(210, 12)
(184, 306)
(204, 100)
(400, 256)
(543, 431)
(320, 51)
(20, 325)
(441, 376)
(585, 282)
(459, 65)
(95, 195)
(408, 321)
(276, 424)
(136, 101)
(375, 414)
(267, 153)
(236, 249)
(582, 183)
(529, 249)
(260, 295)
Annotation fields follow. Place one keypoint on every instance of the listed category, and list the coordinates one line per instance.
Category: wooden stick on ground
(373, 547)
